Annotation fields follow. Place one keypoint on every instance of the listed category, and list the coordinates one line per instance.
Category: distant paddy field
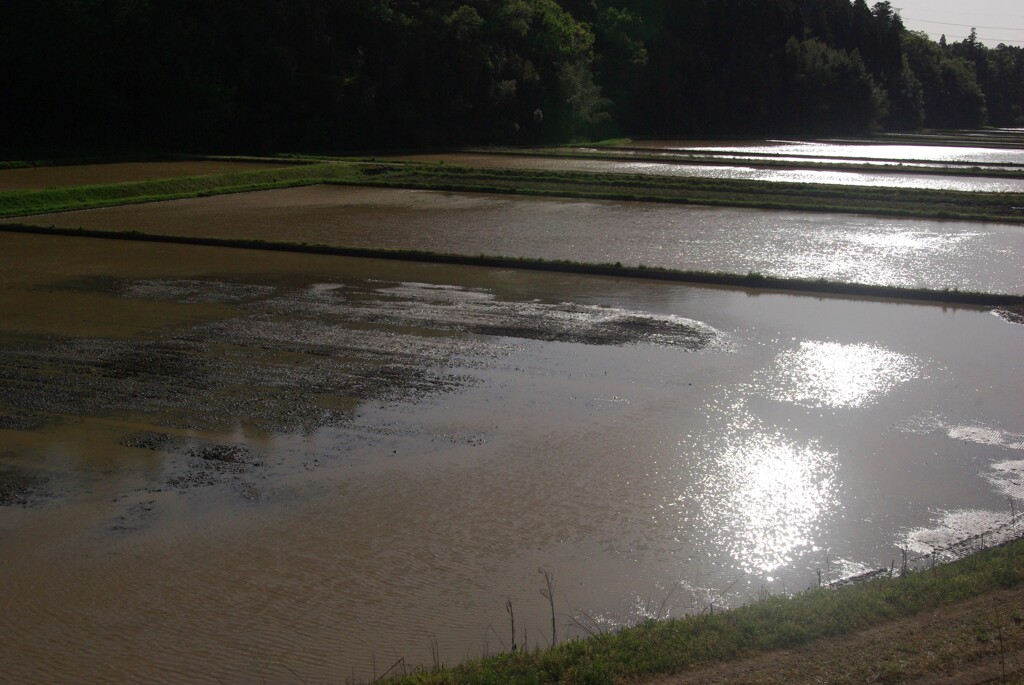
(914, 253)
(39, 177)
(832, 171)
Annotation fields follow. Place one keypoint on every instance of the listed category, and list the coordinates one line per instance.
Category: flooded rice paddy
(826, 150)
(33, 178)
(705, 156)
(230, 465)
(730, 169)
(839, 247)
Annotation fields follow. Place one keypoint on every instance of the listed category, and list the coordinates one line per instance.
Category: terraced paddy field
(917, 253)
(741, 167)
(235, 465)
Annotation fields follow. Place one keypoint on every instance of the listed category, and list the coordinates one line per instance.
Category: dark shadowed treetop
(269, 75)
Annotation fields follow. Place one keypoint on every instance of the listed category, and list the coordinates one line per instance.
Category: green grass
(664, 647)
(28, 202)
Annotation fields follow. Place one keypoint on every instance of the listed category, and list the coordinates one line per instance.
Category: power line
(963, 26)
(983, 39)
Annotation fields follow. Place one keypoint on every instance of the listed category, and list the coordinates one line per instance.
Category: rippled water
(823, 150)
(683, 154)
(839, 247)
(244, 466)
(732, 171)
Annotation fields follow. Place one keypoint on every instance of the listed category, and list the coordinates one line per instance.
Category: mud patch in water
(19, 488)
(1011, 314)
(135, 517)
(967, 432)
(956, 534)
(207, 465)
(20, 421)
(147, 440)
(194, 292)
(478, 312)
(299, 359)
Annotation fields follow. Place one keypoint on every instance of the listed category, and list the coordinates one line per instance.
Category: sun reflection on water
(830, 374)
(765, 496)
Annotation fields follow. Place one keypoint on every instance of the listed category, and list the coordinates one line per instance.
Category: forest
(334, 75)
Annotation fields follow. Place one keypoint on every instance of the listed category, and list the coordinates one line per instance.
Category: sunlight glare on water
(905, 153)
(766, 495)
(884, 253)
(830, 374)
(910, 240)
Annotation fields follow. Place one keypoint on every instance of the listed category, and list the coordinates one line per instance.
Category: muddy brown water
(838, 247)
(35, 178)
(228, 465)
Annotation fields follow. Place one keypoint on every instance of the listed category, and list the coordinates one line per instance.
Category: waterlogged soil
(18, 487)
(240, 466)
(299, 360)
(837, 247)
(35, 178)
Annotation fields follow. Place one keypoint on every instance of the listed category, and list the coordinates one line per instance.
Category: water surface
(731, 171)
(239, 465)
(839, 247)
(865, 151)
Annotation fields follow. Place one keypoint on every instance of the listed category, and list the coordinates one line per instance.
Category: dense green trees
(341, 74)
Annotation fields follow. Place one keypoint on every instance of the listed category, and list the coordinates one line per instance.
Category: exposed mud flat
(214, 464)
(1011, 314)
(18, 487)
(284, 360)
(20, 421)
(280, 374)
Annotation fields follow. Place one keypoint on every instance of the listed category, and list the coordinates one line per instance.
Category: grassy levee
(772, 623)
(1004, 170)
(751, 280)
(970, 206)
(45, 201)
(897, 202)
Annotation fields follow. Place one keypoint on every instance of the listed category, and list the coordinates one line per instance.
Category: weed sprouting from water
(512, 621)
(772, 622)
(549, 594)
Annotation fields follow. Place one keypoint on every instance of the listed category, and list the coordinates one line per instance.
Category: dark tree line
(356, 74)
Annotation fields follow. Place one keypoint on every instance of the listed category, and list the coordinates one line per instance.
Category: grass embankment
(751, 280)
(900, 202)
(28, 202)
(997, 138)
(766, 160)
(977, 206)
(772, 623)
